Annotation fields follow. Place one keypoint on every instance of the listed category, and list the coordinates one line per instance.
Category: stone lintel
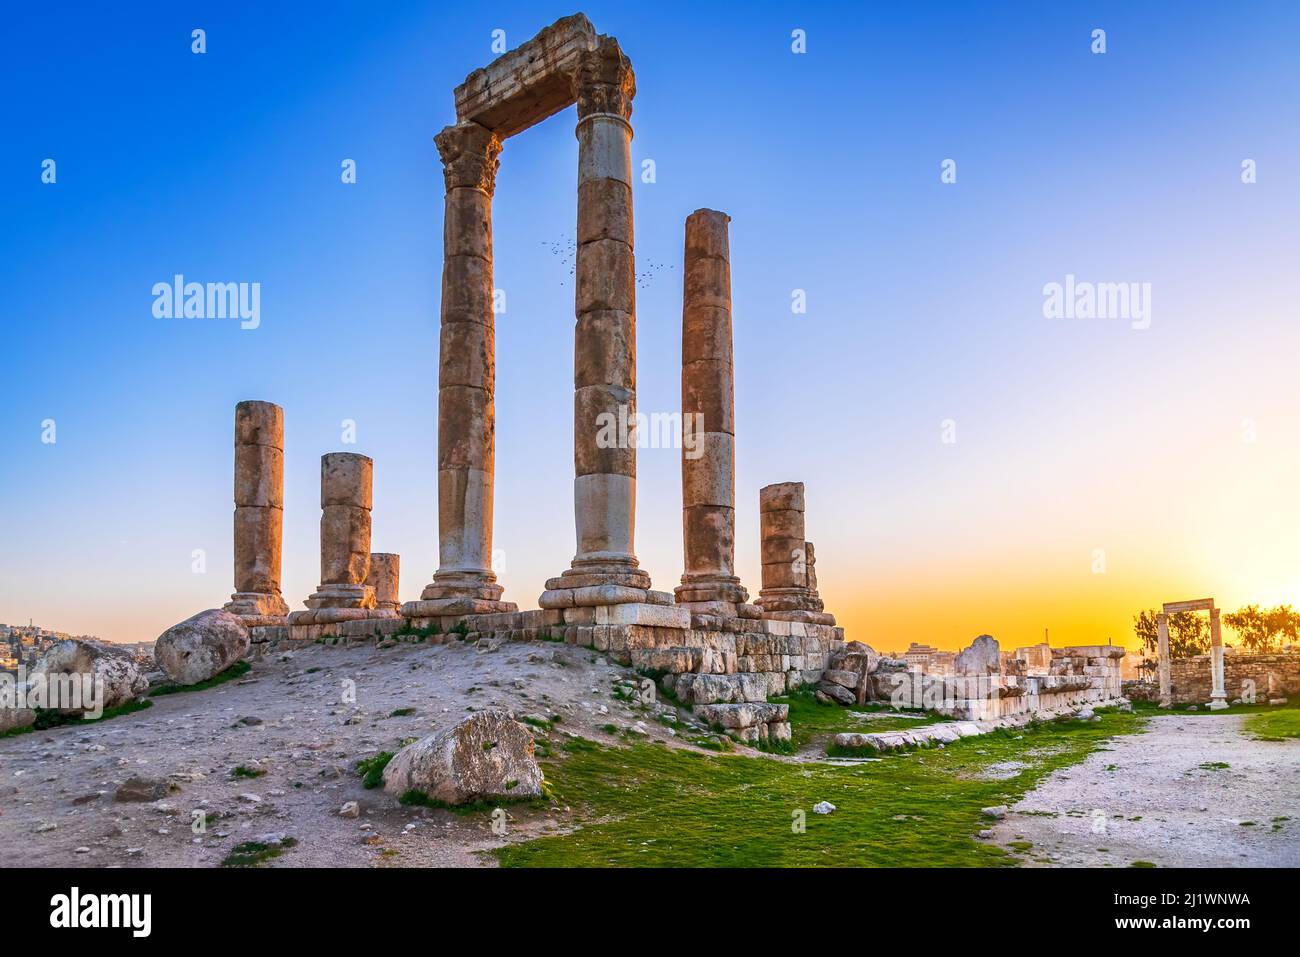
(525, 85)
(1199, 604)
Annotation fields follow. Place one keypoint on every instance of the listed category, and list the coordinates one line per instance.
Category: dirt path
(1190, 791)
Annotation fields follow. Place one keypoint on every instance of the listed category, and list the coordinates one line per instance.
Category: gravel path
(1188, 791)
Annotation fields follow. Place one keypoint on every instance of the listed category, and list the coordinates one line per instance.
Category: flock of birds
(566, 250)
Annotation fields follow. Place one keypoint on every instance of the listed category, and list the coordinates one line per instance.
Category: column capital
(470, 156)
(605, 82)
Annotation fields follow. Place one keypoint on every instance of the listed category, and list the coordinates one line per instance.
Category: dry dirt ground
(1188, 791)
(288, 717)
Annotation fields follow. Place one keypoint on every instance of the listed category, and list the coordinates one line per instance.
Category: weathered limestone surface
(383, 577)
(708, 418)
(112, 669)
(789, 581)
(486, 755)
(259, 513)
(202, 646)
(466, 377)
(604, 489)
(983, 657)
(526, 85)
(346, 499)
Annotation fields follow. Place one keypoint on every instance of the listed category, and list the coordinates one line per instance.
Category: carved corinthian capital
(605, 83)
(470, 156)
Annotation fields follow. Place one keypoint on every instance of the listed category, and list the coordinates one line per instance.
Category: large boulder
(486, 756)
(201, 647)
(111, 669)
(983, 657)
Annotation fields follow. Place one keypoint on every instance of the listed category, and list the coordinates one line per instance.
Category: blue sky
(924, 299)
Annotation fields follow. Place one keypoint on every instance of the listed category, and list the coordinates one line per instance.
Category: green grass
(237, 670)
(244, 771)
(47, 719)
(372, 769)
(1278, 724)
(401, 713)
(648, 805)
(252, 853)
(810, 719)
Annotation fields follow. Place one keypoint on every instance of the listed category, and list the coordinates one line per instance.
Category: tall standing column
(604, 375)
(346, 497)
(1218, 695)
(464, 582)
(1162, 649)
(708, 417)
(259, 513)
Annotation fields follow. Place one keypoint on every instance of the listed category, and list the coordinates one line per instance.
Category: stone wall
(1192, 683)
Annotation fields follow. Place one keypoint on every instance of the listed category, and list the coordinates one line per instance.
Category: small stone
(823, 807)
(997, 813)
(351, 810)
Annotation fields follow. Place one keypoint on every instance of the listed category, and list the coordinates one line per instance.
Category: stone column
(786, 592)
(1219, 695)
(346, 483)
(464, 582)
(708, 418)
(605, 568)
(259, 513)
(1162, 647)
(383, 577)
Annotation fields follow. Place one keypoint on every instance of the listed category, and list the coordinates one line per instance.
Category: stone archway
(566, 63)
(1218, 696)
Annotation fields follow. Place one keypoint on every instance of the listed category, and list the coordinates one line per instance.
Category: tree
(1261, 629)
(1189, 633)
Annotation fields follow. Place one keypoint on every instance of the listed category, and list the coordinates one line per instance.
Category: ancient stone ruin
(705, 643)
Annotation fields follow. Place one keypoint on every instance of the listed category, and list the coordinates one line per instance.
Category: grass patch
(237, 670)
(252, 853)
(1277, 724)
(1214, 766)
(244, 771)
(402, 713)
(414, 798)
(372, 769)
(659, 807)
(47, 719)
(810, 718)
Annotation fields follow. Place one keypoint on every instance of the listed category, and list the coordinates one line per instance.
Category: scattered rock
(202, 646)
(140, 788)
(996, 813)
(839, 694)
(823, 807)
(486, 755)
(351, 809)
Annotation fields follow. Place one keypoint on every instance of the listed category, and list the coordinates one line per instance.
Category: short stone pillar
(346, 483)
(605, 569)
(259, 514)
(465, 582)
(1162, 649)
(383, 577)
(1218, 694)
(786, 592)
